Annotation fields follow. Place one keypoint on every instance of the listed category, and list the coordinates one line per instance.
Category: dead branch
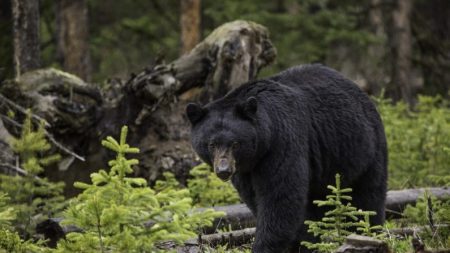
(23, 110)
(363, 244)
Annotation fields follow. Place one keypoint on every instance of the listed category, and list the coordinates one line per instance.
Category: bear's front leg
(243, 184)
(279, 220)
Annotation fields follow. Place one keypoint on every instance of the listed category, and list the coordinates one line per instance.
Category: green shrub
(434, 216)
(208, 190)
(121, 214)
(418, 142)
(7, 214)
(32, 197)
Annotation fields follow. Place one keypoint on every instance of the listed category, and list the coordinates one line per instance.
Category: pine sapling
(34, 197)
(118, 213)
(341, 221)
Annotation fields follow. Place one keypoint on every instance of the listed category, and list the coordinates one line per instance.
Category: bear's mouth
(224, 164)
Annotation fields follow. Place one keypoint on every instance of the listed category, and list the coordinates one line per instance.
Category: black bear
(282, 139)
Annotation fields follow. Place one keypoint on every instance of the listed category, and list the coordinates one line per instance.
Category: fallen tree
(239, 216)
(78, 115)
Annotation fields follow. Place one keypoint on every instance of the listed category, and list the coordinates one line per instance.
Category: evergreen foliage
(32, 197)
(418, 142)
(7, 214)
(10, 241)
(208, 190)
(434, 216)
(340, 221)
(121, 214)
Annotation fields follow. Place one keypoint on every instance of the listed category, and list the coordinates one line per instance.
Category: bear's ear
(195, 112)
(248, 108)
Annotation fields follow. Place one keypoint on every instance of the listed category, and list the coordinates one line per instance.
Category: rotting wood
(363, 244)
(239, 216)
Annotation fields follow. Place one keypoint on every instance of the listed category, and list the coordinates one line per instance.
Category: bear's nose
(223, 169)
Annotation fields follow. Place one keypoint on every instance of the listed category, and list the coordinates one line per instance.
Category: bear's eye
(235, 145)
(211, 145)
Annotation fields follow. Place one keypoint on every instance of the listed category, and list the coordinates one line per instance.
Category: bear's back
(316, 78)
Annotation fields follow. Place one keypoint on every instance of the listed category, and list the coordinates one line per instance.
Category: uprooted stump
(79, 115)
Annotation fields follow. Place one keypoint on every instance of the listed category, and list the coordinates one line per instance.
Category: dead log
(231, 239)
(363, 244)
(151, 103)
(353, 243)
(239, 216)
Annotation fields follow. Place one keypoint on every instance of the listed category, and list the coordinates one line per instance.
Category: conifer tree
(33, 197)
(342, 220)
(118, 213)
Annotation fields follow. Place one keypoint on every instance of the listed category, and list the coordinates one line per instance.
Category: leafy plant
(33, 198)
(121, 214)
(418, 142)
(340, 221)
(208, 190)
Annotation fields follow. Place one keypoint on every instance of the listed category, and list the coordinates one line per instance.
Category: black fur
(308, 123)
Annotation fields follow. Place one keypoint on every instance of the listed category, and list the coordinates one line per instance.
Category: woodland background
(139, 63)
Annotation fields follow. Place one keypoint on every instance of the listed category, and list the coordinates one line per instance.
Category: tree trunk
(430, 24)
(190, 24)
(401, 52)
(26, 35)
(374, 66)
(73, 37)
(6, 40)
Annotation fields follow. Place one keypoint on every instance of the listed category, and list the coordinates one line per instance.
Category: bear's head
(224, 135)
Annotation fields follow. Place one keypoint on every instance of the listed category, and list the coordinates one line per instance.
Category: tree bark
(73, 37)
(374, 67)
(6, 40)
(26, 35)
(401, 44)
(190, 24)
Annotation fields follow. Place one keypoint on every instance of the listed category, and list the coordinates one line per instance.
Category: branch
(48, 135)
(23, 110)
(231, 55)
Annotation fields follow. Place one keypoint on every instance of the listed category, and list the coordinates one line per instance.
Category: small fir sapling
(10, 240)
(208, 190)
(205, 188)
(342, 220)
(32, 196)
(121, 214)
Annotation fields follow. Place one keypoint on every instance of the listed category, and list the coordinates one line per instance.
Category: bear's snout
(223, 169)
(224, 164)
